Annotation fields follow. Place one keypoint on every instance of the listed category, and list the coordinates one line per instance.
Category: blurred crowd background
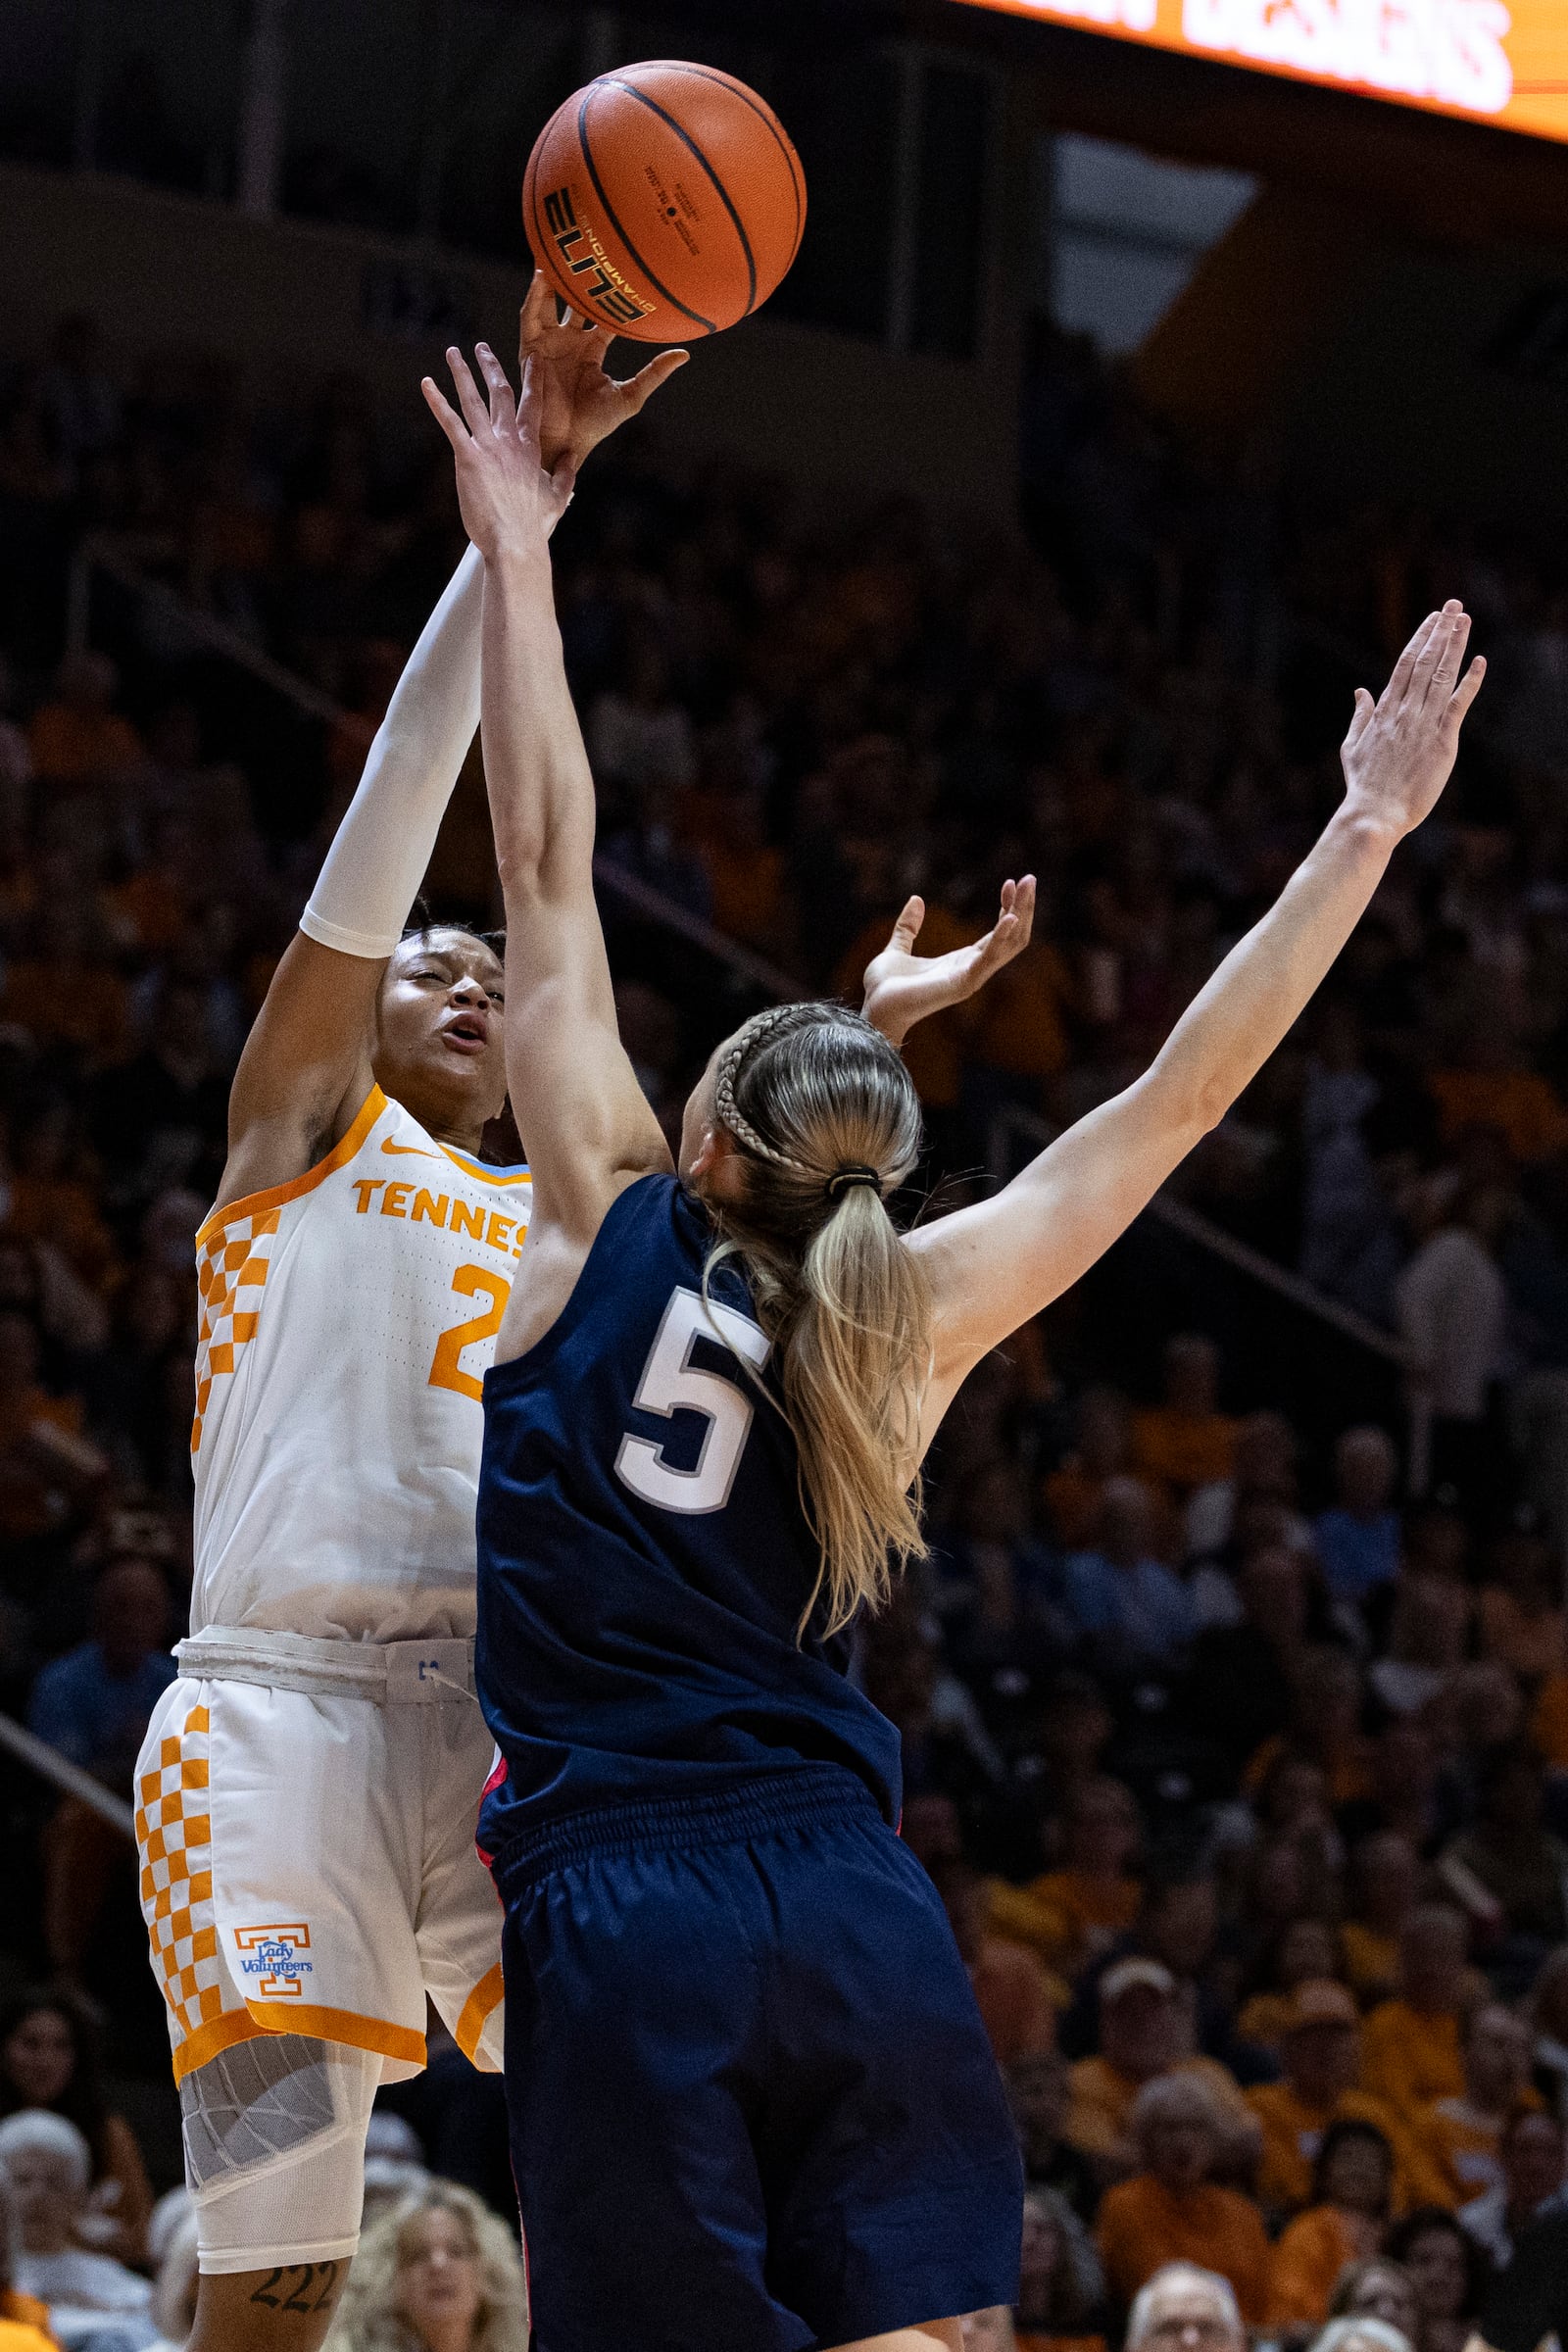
(1234, 1695)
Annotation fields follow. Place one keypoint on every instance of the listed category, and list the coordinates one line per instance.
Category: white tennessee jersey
(347, 1322)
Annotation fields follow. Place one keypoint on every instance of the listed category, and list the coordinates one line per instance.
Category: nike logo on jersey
(408, 1150)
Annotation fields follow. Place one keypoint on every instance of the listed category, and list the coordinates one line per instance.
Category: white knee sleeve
(274, 2151)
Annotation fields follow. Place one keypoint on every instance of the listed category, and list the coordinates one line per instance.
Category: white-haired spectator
(49, 2165)
(989, 2330)
(1171, 2211)
(1184, 2308)
(24, 2321)
(389, 2182)
(173, 2209)
(1062, 2284)
(1360, 2336)
(439, 2274)
(174, 2289)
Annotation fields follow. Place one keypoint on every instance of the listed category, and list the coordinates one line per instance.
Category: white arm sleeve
(378, 856)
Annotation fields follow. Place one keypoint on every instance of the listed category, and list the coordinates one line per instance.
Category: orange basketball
(665, 200)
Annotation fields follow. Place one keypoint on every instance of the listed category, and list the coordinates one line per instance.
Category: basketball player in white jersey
(306, 1792)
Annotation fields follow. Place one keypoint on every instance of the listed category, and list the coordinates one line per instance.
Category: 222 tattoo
(309, 2288)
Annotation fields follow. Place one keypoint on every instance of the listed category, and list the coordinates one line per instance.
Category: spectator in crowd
(1385, 1881)
(437, 2274)
(1448, 2273)
(1360, 2335)
(1129, 1610)
(1186, 2308)
(1146, 2032)
(49, 2059)
(1531, 2165)
(1172, 2209)
(1515, 1859)
(1015, 1998)
(1037, 2090)
(1062, 2287)
(1410, 2048)
(1184, 1442)
(48, 2165)
(1381, 2290)
(1527, 2304)
(1073, 1914)
(1357, 1537)
(174, 2308)
(23, 2319)
(1464, 2134)
(1318, 2090)
(93, 1703)
(1352, 2196)
(1548, 2016)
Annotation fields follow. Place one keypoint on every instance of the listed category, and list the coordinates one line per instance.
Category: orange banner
(1493, 61)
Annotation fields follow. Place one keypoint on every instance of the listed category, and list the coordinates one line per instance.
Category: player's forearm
(536, 767)
(1264, 984)
(378, 858)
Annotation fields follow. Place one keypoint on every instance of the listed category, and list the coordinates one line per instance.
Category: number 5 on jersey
(671, 1382)
(446, 1365)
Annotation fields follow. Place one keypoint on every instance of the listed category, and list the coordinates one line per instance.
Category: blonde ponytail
(822, 1108)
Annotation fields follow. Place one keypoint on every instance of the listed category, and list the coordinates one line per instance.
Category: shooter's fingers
(502, 408)
(1398, 684)
(475, 414)
(441, 410)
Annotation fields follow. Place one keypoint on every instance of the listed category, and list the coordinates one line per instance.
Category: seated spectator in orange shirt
(1062, 2287)
(49, 2058)
(1519, 1609)
(746, 874)
(24, 2319)
(1146, 2030)
(1463, 2135)
(1324, 1726)
(1353, 2191)
(1410, 2052)
(1016, 1999)
(1321, 2052)
(1385, 1881)
(1508, 1853)
(54, 1197)
(1304, 1951)
(1021, 1031)
(1185, 1441)
(1492, 1088)
(76, 737)
(1101, 1449)
(1173, 2211)
(1071, 1915)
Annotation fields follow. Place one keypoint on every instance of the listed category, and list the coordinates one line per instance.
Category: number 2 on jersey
(670, 1380)
(446, 1366)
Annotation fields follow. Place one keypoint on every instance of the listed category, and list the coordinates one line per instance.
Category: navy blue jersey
(645, 1559)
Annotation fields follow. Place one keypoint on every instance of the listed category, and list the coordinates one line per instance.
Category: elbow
(1192, 1105)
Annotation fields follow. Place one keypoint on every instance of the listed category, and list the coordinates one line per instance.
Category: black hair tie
(844, 1179)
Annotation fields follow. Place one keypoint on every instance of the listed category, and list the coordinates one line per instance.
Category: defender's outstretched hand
(1401, 749)
(902, 988)
(581, 404)
(508, 499)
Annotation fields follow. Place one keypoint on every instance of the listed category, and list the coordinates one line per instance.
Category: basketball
(665, 200)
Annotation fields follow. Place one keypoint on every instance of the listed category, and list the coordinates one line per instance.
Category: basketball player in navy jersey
(753, 2108)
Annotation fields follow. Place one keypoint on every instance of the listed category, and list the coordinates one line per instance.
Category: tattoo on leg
(310, 2287)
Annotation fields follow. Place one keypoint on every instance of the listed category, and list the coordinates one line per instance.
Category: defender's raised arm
(993, 1266)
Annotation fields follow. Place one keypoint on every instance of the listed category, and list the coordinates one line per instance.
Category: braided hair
(822, 1111)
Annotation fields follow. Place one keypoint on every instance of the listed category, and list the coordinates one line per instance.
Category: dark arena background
(1128, 405)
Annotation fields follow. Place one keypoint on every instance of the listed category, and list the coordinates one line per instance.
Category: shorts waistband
(774, 1801)
(388, 1674)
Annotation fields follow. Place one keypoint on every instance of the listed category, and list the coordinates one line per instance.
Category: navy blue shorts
(752, 2106)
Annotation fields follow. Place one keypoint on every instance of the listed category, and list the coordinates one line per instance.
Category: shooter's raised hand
(509, 503)
(1400, 749)
(902, 988)
(581, 404)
